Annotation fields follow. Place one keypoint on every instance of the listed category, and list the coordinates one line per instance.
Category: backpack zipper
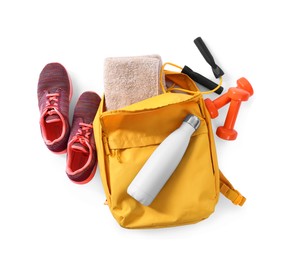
(106, 145)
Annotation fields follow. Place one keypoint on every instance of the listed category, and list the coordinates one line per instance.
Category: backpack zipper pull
(106, 145)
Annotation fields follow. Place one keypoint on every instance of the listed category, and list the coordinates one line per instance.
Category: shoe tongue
(78, 147)
(52, 118)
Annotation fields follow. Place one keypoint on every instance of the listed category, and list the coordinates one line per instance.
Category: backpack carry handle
(173, 87)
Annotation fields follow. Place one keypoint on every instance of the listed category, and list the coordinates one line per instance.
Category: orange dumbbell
(215, 105)
(227, 131)
(234, 95)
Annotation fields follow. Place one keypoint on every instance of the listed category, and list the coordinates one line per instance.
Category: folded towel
(128, 80)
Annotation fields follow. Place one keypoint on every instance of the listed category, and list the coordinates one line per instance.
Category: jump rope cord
(172, 87)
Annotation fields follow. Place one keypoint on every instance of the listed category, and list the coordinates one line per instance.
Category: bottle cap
(192, 120)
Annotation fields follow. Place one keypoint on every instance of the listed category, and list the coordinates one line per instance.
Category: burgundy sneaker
(81, 149)
(54, 93)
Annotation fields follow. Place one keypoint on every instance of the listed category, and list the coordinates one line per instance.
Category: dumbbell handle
(221, 101)
(231, 117)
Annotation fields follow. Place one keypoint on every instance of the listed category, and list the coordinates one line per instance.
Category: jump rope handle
(201, 79)
(217, 71)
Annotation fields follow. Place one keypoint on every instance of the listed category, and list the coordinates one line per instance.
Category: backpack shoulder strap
(227, 189)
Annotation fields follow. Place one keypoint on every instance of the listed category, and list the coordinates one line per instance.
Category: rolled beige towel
(128, 80)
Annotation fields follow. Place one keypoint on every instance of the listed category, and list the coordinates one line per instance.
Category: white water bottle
(162, 163)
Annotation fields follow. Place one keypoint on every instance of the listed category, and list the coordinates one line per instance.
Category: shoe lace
(84, 133)
(52, 100)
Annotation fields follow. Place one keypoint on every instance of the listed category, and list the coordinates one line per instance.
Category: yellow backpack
(126, 138)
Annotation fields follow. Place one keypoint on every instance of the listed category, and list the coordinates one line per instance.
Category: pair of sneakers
(54, 94)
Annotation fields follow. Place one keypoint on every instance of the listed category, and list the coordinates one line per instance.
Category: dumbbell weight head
(238, 94)
(244, 84)
(226, 134)
(211, 108)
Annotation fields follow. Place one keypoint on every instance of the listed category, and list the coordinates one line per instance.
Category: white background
(45, 216)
